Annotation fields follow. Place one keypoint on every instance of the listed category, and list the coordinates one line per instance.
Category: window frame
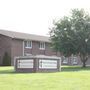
(65, 60)
(42, 45)
(28, 44)
(75, 60)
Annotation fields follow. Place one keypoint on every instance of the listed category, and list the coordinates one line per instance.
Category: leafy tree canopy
(71, 34)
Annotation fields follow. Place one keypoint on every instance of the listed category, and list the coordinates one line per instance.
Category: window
(65, 60)
(74, 60)
(28, 44)
(42, 45)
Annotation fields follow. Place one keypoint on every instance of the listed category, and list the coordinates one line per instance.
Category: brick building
(20, 44)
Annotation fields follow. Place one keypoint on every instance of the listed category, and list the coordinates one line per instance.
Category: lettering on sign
(25, 63)
(48, 64)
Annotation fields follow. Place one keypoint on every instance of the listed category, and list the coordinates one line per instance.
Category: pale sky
(35, 16)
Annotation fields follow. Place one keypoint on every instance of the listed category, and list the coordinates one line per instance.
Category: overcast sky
(35, 16)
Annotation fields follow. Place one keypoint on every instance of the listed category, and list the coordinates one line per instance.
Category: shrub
(6, 60)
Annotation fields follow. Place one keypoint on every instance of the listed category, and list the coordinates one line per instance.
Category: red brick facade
(15, 47)
(5, 46)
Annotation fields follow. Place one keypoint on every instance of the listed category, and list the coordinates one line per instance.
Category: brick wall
(5, 46)
(17, 48)
(36, 51)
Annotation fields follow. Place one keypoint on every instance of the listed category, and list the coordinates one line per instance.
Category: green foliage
(6, 59)
(71, 35)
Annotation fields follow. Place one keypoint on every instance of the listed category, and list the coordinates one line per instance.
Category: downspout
(23, 47)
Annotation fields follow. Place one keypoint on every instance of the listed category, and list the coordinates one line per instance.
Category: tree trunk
(84, 58)
(84, 64)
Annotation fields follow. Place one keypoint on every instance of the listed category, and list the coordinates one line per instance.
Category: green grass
(71, 78)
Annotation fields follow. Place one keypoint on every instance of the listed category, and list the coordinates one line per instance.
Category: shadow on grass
(9, 70)
(74, 68)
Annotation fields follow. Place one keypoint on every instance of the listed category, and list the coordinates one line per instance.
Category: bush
(6, 60)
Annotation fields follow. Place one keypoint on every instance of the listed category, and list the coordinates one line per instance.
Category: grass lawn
(71, 78)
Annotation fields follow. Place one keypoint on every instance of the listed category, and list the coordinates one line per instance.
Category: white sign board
(48, 64)
(25, 63)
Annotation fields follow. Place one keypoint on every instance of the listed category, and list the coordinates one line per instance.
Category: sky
(36, 16)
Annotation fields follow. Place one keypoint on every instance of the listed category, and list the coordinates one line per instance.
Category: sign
(25, 63)
(47, 64)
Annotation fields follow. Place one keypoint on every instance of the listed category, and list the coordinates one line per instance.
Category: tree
(6, 59)
(71, 35)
